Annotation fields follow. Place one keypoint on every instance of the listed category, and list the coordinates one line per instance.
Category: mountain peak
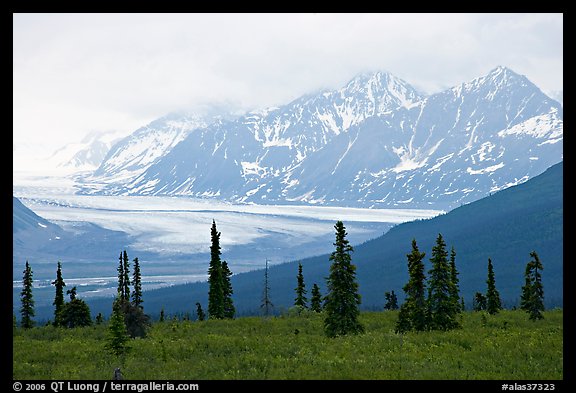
(371, 75)
(503, 74)
(384, 89)
(496, 80)
(370, 78)
(499, 69)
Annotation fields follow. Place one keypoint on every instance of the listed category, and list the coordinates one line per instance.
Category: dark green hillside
(505, 226)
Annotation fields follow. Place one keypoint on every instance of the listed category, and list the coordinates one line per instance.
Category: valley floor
(506, 346)
(171, 237)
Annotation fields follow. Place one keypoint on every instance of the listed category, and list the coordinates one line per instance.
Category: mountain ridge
(387, 145)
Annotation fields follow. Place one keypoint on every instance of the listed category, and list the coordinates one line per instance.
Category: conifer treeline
(430, 304)
(440, 310)
(129, 303)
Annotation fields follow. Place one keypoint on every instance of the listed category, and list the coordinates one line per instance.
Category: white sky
(77, 73)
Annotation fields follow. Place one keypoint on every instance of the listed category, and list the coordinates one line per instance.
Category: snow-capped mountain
(135, 153)
(269, 142)
(85, 155)
(451, 148)
(375, 142)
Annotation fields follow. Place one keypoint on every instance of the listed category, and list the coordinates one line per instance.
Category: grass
(505, 346)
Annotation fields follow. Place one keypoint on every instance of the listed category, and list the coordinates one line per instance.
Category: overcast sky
(77, 73)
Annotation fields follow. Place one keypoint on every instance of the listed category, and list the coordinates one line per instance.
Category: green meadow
(504, 346)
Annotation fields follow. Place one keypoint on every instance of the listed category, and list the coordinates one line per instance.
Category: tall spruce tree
(316, 299)
(454, 288)
(343, 299)
(215, 277)
(136, 322)
(126, 273)
(493, 303)
(413, 312)
(27, 298)
(301, 299)
(532, 298)
(266, 302)
(59, 297)
(229, 309)
(137, 283)
(441, 307)
(120, 271)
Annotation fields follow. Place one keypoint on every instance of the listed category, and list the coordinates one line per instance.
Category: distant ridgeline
(505, 227)
(375, 142)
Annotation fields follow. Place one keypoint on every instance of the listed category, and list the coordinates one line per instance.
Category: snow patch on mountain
(542, 126)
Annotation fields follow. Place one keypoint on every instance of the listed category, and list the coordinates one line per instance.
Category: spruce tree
(120, 271)
(343, 299)
(532, 298)
(137, 283)
(215, 277)
(117, 335)
(162, 314)
(199, 312)
(59, 298)
(316, 299)
(441, 307)
(391, 301)
(229, 309)
(300, 289)
(404, 322)
(27, 298)
(493, 303)
(126, 278)
(266, 302)
(537, 288)
(479, 302)
(76, 312)
(99, 319)
(525, 297)
(135, 320)
(72, 293)
(413, 312)
(454, 288)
